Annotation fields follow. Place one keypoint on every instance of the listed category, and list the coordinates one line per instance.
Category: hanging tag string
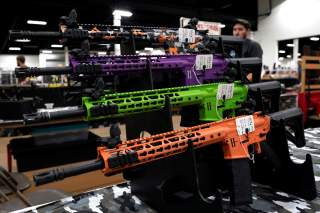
(251, 155)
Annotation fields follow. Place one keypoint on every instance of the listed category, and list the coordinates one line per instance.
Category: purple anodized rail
(213, 67)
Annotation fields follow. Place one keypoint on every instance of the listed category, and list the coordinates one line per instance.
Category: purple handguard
(114, 65)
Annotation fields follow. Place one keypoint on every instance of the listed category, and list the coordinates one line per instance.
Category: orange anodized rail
(235, 145)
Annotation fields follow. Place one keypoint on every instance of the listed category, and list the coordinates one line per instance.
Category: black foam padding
(55, 149)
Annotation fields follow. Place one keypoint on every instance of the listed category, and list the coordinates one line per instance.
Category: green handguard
(214, 101)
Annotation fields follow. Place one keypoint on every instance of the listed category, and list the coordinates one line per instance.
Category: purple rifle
(213, 68)
(114, 65)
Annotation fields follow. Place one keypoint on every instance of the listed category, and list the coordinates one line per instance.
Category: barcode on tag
(187, 35)
(225, 90)
(204, 61)
(245, 123)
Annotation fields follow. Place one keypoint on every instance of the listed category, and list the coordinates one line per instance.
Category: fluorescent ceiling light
(221, 25)
(290, 45)
(123, 13)
(102, 53)
(282, 51)
(299, 54)
(56, 45)
(37, 22)
(15, 48)
(288, 56)
(47, 51)
(23, 40)
(314, 38)
(148, 48)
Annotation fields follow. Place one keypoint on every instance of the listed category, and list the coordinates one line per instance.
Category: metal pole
(117, 22)
(295, 54)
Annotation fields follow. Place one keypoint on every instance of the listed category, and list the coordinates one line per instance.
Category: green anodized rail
(206, 96)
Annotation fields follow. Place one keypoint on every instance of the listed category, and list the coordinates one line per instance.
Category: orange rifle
(232, 136)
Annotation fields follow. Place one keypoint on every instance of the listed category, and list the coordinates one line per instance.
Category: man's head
(21, 60)
(241, 28)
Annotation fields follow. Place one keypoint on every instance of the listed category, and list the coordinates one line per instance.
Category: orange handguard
(173, 51)
(139, 151)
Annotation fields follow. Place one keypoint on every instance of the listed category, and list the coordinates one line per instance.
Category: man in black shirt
(250, 48)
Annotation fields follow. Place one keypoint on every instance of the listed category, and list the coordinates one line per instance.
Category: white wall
(289, 19)
(8, 62)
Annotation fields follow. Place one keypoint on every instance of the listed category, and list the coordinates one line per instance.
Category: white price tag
(245, 123)
(187, 35)
(204, 61)
(225, 90)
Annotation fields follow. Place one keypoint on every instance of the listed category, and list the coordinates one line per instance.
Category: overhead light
(282, 51)
(47, 51)
(102, 53)
(37, 22)
(14, 48)
(148, 48)
(221, 25)
(23, 40)
(314, 38)
(123, 13)
(56, 45)
(299, 54)
(288, 56)
(290, 45)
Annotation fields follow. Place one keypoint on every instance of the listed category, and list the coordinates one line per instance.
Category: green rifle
(215, 101)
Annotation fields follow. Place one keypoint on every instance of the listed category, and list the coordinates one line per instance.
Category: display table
(110, 199)
(265, 199)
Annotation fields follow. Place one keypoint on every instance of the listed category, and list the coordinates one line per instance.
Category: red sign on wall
(213, 27)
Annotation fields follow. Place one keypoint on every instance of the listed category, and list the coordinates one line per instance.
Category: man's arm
(255, 50)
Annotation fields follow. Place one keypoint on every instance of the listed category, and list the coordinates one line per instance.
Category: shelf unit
(309, 64)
